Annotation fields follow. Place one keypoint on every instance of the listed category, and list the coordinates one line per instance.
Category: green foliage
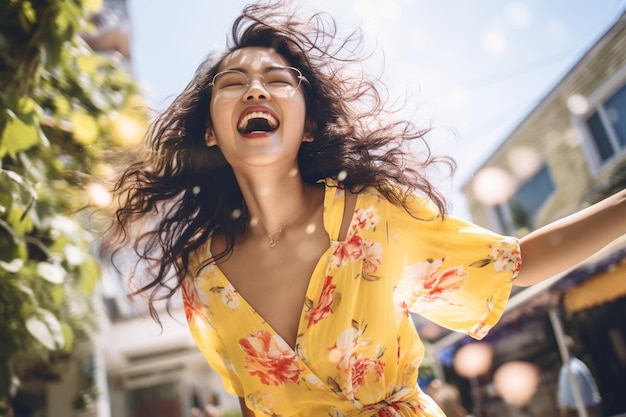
(61, 106)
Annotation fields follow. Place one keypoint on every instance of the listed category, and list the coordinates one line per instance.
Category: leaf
(85, 128)
(74, 255)
(28, 15)
(46, 328)
(13, 176)
(332, 383)
(51, 272)
(30, 205)
(481, 263)
(27, 107)
(20, 135)
(86, 64)
(336, 301)
(26, 290)
(14, 266)
(57, 294)
(62, 105)
(21, 225)
(369, 277)
(13, 195)
(68, 334)
(89, 275)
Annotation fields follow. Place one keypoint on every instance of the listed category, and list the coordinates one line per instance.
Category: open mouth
(257, 122)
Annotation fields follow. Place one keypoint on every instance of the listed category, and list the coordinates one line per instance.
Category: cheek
(298, 110)
(219, 116)
(214, 111)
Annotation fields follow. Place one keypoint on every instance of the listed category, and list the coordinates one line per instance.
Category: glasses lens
(230, 84)
(280, 82)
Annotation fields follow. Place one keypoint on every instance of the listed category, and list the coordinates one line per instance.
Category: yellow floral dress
(357, 351)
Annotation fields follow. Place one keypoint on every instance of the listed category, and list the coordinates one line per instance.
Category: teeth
(271, 120)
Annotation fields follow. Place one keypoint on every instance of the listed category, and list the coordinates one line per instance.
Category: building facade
(567, 153)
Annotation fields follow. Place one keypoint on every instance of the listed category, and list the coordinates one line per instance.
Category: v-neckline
(332, 228)
(321, 263)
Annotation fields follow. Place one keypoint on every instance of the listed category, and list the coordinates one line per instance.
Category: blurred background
(529, 97)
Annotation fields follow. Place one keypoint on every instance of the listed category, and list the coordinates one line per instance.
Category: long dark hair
(183, 192)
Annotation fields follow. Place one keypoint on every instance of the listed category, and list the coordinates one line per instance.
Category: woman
(280, 196)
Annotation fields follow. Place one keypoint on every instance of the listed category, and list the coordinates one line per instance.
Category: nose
(256, 91)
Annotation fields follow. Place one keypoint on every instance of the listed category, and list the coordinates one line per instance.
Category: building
(568, 152)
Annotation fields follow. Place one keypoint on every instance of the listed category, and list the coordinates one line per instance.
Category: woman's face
(258, 110)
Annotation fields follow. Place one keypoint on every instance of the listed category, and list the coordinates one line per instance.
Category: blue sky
(473, 69)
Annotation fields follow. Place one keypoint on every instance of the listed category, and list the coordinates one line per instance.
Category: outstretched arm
(564, 243)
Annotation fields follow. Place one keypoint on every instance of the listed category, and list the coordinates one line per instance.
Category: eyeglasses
(278, 81)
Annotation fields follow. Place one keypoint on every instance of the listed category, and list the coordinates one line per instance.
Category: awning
(600, 289)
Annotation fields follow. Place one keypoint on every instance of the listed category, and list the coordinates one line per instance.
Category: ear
(309, 131)
(209, 137)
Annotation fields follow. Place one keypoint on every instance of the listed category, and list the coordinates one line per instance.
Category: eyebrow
(265, 70)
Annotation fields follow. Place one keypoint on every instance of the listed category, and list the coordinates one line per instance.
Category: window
(521, 210)
(530, 197)
(607, 128)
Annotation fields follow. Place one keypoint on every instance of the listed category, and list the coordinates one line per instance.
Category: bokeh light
(525, 161)
(577, 104)
(473, 359)
(127, 128)
(99, 195)
(516, 382)
(493, 186)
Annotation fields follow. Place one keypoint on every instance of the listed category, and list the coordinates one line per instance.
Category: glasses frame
(300, 78)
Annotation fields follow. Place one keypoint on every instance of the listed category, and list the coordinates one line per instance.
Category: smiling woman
(285, 204)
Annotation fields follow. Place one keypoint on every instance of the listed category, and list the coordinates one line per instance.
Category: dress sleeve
(450, 271)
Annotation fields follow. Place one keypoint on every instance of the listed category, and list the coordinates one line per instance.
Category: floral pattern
(356, 248)
(350, 357)
(228, 295)
(353, 364)
(195, 310)
(325, 303)
(504, 255)
(427, 284)
(270, 358)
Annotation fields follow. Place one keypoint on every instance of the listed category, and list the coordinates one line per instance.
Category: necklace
(272, 241)
(270, 236)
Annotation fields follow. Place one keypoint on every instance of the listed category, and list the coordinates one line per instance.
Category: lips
(257, 121)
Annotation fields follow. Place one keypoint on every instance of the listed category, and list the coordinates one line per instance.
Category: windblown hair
(187, 190)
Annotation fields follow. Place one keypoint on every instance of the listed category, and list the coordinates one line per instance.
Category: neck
(274, 205)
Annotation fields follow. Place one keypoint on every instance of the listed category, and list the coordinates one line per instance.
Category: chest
(274, 280)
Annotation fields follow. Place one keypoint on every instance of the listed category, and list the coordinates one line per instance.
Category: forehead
(253, 58)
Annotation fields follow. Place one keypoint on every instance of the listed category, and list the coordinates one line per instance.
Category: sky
(472, 69)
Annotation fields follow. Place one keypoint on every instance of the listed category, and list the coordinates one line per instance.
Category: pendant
(272, 242)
